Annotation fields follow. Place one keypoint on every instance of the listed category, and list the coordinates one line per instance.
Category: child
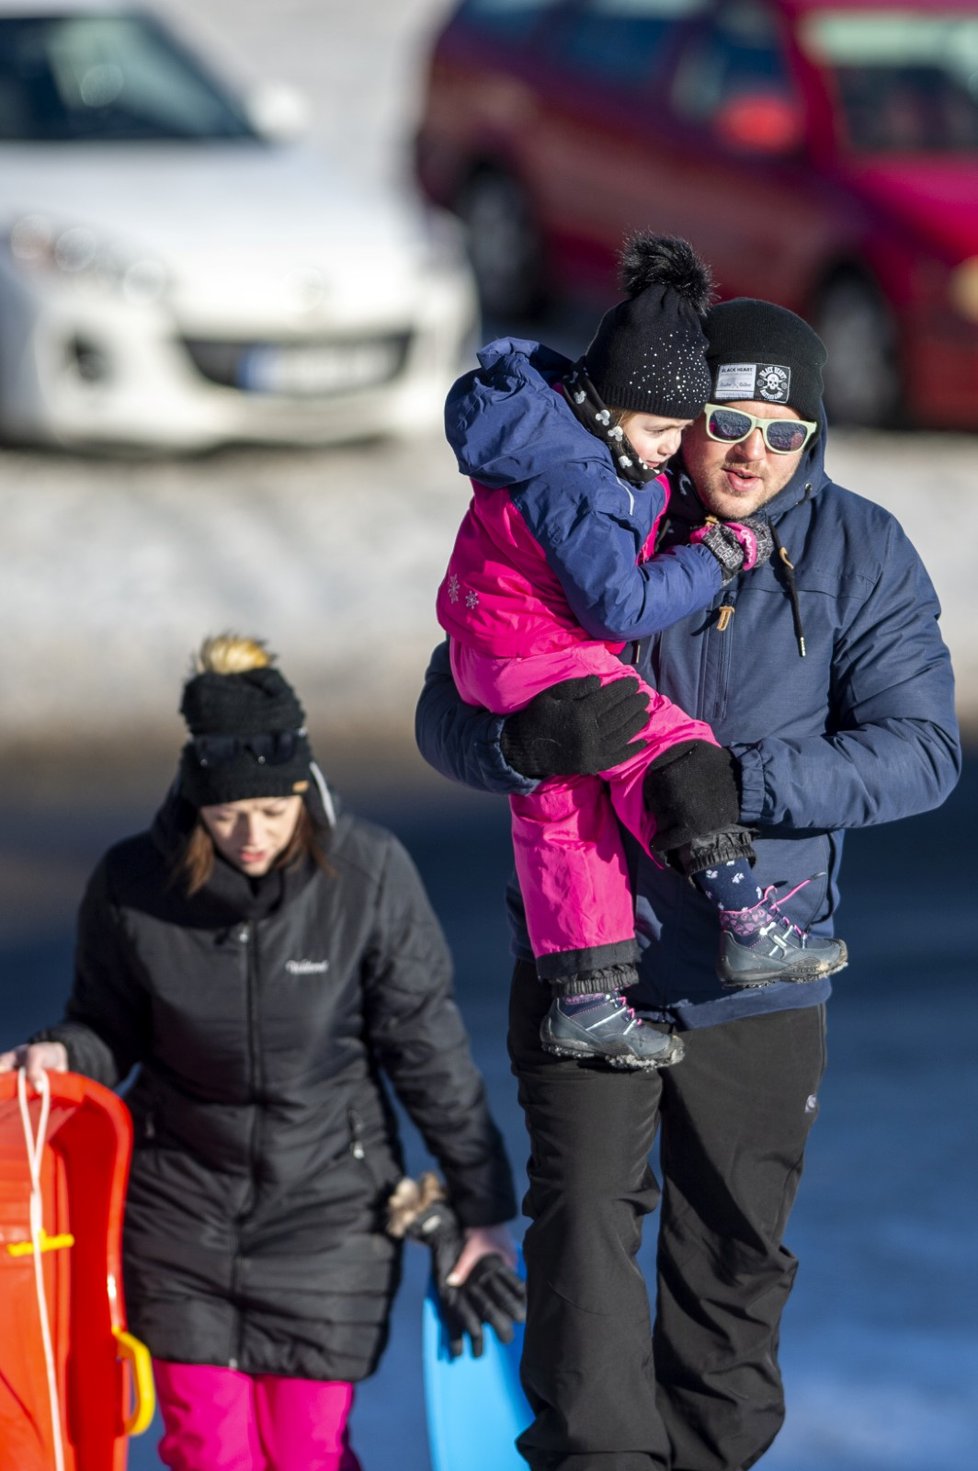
(553, 571)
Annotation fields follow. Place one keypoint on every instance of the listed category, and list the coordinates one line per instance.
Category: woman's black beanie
(757, 350)
(647, 355)
(254, 703)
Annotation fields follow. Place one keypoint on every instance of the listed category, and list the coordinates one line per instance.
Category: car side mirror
(278, 111)
(760, 122)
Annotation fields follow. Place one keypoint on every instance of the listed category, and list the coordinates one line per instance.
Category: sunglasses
(783, 436)
(269, 748)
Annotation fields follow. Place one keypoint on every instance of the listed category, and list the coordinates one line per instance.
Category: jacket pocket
(375, 1155)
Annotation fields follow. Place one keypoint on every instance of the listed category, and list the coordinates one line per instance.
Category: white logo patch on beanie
(768, 381)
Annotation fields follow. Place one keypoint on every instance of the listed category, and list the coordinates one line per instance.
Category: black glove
(497, 1295)
(739, 546)
(576, 728)
(492, 1293)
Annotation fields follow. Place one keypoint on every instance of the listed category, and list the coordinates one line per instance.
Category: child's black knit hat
(647, 355)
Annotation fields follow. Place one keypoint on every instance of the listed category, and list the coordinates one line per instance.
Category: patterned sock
(729, 885)
(570, 1004)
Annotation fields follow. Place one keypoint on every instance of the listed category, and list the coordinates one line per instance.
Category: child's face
(655, 439)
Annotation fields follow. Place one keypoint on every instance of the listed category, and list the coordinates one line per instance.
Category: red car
(820, 153)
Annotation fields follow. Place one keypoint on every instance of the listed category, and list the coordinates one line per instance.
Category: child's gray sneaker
(608, 1029)
(761, 945)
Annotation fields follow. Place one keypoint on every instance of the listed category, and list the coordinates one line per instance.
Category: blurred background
(242, 255)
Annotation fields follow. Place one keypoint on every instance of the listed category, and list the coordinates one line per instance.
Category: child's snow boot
(761, 945)
(604, 1026)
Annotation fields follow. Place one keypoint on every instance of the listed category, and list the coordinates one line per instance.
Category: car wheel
(862, 374)
(503, 243)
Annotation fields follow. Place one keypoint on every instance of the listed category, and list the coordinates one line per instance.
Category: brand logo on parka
(307, 967)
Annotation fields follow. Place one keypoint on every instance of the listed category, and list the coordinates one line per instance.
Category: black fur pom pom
(665, 260)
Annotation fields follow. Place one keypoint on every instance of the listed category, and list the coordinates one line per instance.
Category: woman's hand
(476, 1284)
(480, 1241)
(36, 1058)
(485, 1289)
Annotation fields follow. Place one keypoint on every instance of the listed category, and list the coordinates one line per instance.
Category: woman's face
(655, 439)
(253, 832)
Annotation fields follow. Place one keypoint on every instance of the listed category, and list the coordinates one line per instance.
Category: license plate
(321, 368)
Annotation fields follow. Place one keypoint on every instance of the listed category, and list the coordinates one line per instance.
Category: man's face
(734, 480)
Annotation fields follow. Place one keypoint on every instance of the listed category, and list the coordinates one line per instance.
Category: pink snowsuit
(217, 1419)
(512, 634)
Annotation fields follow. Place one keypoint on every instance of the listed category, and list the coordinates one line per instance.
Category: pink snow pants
(570, 859)
(216, 1419)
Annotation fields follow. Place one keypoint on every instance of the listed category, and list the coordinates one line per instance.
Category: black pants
(700, 1390)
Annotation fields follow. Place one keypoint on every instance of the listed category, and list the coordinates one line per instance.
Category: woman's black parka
(262, 1015)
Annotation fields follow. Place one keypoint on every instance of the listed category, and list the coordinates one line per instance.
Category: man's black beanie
(647, 354)
(756, 350)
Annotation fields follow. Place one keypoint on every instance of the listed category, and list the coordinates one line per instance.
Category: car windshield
(907, 83)
(106, 77)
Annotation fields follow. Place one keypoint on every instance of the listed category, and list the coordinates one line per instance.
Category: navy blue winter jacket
(859, 731)
(553, 548)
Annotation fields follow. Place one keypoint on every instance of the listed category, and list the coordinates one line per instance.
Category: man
(824, 675)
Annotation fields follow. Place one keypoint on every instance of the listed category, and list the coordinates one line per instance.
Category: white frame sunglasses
(753, 422)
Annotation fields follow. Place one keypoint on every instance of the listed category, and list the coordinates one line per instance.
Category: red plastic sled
(74, 1385)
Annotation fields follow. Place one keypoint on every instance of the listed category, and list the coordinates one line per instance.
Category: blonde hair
(229, 653)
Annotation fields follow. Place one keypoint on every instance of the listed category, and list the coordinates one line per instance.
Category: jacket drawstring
(789, 569)
(793, 595)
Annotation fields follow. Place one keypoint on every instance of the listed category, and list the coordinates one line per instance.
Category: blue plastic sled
(476, 1407)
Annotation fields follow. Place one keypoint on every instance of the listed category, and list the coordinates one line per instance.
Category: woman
(263, 959)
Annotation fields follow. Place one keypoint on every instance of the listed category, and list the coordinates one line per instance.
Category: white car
(173, 277)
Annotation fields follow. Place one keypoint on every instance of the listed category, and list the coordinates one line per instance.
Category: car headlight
(79, 256)
(963, 288)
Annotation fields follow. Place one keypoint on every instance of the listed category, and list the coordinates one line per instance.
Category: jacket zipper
(356, 1134)
(247, 935)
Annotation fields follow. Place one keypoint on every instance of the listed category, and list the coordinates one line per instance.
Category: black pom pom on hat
(647, 355)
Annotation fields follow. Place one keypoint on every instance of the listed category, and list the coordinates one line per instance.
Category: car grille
(308, 369)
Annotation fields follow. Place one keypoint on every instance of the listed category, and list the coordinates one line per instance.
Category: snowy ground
(113, 571)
